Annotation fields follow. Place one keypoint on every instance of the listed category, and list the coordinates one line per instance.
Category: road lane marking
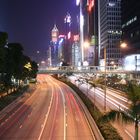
(2, 123)
(129, 134)
(78, 120)
(6, 120)
(64, 107)
(46, 117)
(112, 101)
(20, 126)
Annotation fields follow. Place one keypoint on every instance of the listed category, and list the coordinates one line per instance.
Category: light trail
(46, 117)
(64, 107)
(72, 99)
(111, 100)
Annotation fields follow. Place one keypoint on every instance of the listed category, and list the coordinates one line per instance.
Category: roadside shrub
(6, 100)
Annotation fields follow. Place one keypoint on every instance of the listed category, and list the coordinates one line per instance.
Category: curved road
(114, 101)
(50, 113)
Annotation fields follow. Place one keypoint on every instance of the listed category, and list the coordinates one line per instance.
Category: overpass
(86, 69)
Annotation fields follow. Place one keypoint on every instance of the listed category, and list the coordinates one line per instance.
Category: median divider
(106, 130)
(94, 127)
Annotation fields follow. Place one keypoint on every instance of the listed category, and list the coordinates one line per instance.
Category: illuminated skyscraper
(54, 46)
(67, 44)
(109, 28)
(61, 40)
(55, 34)
(76, 51)
(88, 30)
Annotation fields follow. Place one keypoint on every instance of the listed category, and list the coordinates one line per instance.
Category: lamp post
(38, 53)
(81, 32)
(50, 57)
(105, 80)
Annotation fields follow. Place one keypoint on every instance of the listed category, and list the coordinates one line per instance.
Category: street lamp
(81, 32)
(86, 44)
(38, 53)
(112, 63)
(123, 45)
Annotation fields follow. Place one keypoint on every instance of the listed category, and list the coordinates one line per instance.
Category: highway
(114, 101)
(51, 113)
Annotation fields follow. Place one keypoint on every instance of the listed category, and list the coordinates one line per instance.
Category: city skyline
(30, 22)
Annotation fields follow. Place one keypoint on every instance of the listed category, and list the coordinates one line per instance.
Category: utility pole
(105, 80)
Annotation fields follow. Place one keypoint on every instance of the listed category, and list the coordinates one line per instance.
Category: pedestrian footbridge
(87, 69)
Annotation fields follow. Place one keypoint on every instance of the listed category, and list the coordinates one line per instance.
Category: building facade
(131, 25)
(76, 51)
(67, 50)
(54, 46)
(109, 32)
(131, 34)
(90, 30)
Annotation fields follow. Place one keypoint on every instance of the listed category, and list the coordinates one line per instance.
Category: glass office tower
(109, 31)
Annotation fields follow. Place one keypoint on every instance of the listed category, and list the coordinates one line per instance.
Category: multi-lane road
(114, 101)
(52, 112)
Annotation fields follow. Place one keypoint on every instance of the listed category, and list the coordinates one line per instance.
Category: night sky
(30, 22)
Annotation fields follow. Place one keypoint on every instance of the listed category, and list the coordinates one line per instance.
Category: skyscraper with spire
(55, 34)
(54, 46)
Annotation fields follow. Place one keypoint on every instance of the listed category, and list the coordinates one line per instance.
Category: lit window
(111, 4)
(132, 35)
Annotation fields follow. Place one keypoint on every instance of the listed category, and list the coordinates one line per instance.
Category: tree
(30, 68)
(3, 55)
(25, 72)
(131, 115)
(34, 69)
(3, 39)
(94, 85)
(16, 58)
(12, 62)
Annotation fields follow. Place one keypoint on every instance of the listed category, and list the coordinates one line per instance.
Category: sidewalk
(14, 105)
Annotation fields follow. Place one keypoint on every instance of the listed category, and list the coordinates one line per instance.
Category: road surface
(50, 113)
(114, 101)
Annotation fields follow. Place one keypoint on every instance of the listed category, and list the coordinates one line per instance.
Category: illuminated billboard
(132, 62)
(90, 4)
